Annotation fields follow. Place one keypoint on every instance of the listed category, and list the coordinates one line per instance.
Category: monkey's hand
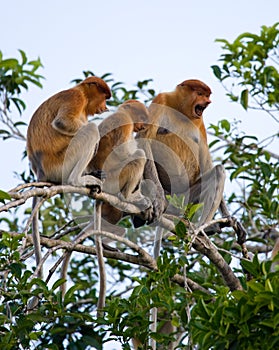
(145, 217)
(159, 204)
(91, 182)
(156, 195)
(145, 205)
(137, 199)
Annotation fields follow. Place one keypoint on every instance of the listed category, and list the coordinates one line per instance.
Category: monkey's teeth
(199, 110)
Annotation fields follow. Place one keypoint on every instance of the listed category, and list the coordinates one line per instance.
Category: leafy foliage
(209, 317)
(247, 319)
(256, 169)
(54, 324)
(153, 290)
(251, 61)
(15, 76)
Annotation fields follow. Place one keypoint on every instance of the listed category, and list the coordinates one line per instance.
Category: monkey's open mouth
(199, 110)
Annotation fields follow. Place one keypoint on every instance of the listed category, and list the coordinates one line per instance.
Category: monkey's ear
(126, 106)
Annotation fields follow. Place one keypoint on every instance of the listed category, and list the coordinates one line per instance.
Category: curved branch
(200, 240)
(142, 260)
(22, 197)
(204, 245)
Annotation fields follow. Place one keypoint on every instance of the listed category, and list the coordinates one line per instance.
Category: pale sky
(168, 41)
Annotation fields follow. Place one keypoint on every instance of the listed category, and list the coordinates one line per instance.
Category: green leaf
(205, 313)
(10, 63)
(217, 71)
(23, 56)
(20, 124)
(225, 124)
(256, 286)
(250, 267)
(213, 143)
(70, 293)
(58, 283)
(180, 229)
(4, 195)
(16, 269)
(266, 169)
(192, 209)
(244, 98)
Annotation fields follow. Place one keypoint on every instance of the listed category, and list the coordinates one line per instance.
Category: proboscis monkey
(120, 157)
(60, 125)
(182, 162)
(179, 147)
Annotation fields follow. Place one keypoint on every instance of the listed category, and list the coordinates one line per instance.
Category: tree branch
(200, 240)
(141, 260)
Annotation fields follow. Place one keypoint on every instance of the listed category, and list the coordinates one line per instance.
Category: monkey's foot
(232, 222)
(217, 227)
(144, 218)
(93, 183)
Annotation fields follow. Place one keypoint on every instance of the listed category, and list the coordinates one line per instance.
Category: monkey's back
(114, 130)
(46, 147)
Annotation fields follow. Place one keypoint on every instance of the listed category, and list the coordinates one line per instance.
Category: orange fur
(57, 121)
(119, 156)
(61, 142)
(179, 144)
(118, 129)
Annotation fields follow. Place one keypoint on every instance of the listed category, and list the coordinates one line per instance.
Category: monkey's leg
(208, 190)
(151, 175)
(132, 174)
(79, 153)
(131, 191)
(130, 180)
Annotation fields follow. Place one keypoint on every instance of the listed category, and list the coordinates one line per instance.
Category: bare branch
(22, 197)
(204, 245)
(142, 260)
(200, 240)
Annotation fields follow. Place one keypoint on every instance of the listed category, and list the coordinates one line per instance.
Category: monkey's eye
(199, 93)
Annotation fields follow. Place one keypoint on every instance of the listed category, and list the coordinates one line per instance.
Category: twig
(200, 242)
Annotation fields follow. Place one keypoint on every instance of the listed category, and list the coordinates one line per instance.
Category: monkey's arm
(124, 143)
(71, 115)
(150, 173)
(67, 123)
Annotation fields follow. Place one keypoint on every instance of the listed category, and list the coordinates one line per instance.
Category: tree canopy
(216, 292)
